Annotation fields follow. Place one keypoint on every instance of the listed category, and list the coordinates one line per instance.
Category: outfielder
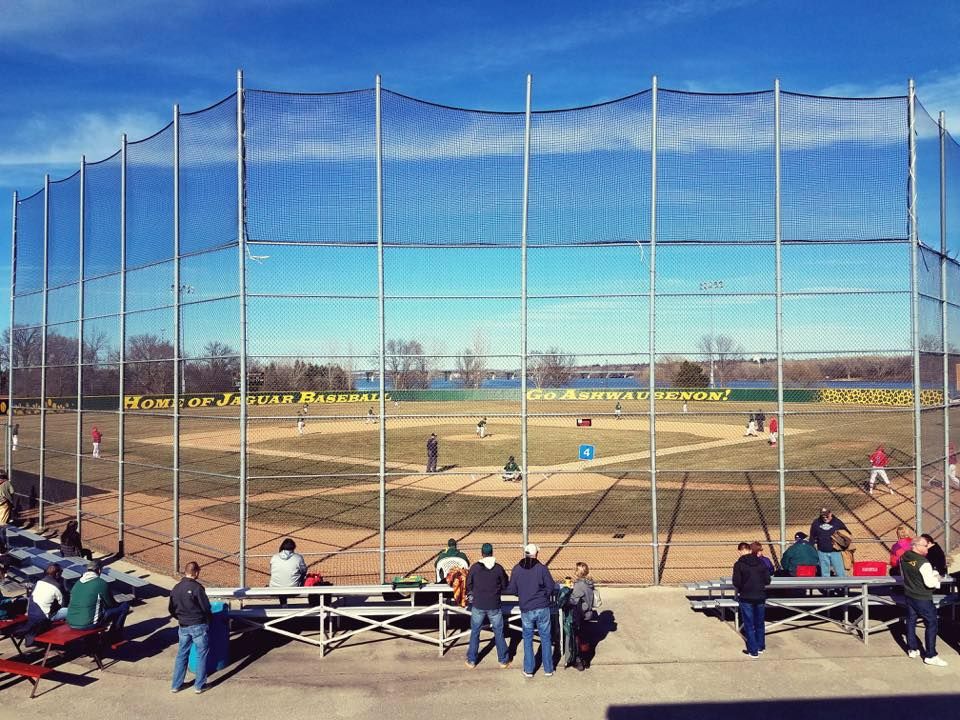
(618, 411)
(301, 424)
(878, 461)
(774, 427)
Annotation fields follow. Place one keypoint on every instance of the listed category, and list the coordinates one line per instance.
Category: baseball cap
(800, 536)
(824, 511)
(451, 543)
(530, 549)
(486, 549)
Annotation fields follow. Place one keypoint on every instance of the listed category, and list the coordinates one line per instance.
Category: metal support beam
(121, 426)
(242, 254)
(652, 334)
(382, 335)
(945, 331)
(177, 374)
(43, 355)
(82, 230)
(778, 240)
(524, 458)
(13, 289)
(915, 302)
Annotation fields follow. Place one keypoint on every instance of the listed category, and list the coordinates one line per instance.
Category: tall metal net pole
(242, 245)
(778, 243)
(915, 303)
(382, 334)
(524, 498)
(945, 328)
(83, 188)
(176, 338)
(652, 337)
(13, 287)
(121, 429)
(43, 353)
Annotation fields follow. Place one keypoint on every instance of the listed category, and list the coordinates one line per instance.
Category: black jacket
(821, 533)
(750, 578)
(937, 559)
(189, 603)
(486, 586)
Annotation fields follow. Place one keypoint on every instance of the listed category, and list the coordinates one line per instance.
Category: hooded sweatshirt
(287, 569)
(486, 581)
(582, 597)
(531, 582)
(89, 598)
(800, 553)
(750, 578)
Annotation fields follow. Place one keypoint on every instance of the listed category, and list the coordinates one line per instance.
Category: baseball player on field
(878, 463)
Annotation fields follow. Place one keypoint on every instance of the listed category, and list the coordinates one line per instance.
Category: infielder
(482, 428)
(878, 461)
(774, 427)
(96, 436)
(618, 411)
(301, 424)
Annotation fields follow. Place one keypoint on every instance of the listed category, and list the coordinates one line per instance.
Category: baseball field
(715, 486)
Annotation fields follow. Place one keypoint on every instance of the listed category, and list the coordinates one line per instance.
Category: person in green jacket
(451, 551)
(511, 471)
(800, 553)
(92, 604)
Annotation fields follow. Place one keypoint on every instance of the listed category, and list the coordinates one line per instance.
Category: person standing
(951, 465)
(371, 417)
(301, 424)
(761, 419)
(97, 437)
(800, 553)
(15, 435)
(821, 537)
(904, 542)
(582, 600)
(919, 582)
(878, 463)
(6, 498)
(774, 427)
(433, 449)
(618, 410)
(750, 578)
(482, 428)
(531, 582)
(191, 609)
(486, 581)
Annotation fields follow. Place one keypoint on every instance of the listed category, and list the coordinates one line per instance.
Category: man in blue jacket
(531, 582)
(821, 537)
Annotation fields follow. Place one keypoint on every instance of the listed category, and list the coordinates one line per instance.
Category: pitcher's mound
(473, 437)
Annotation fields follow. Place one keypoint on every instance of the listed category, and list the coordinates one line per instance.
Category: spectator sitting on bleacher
(47, 604)
(70, 543)
(767, 562)
(92, 604)
(451, 551)
(903, 543)
(800, 553)
(287, 568)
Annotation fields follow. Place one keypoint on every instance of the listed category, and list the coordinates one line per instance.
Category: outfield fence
(267, 307)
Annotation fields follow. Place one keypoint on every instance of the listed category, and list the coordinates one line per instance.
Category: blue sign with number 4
(586, 452)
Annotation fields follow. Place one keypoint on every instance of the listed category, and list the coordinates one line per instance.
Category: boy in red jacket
(878, 461)
(774, 427)
(96, 436)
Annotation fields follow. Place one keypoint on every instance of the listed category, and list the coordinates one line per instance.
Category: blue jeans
(753, 615)
(496, 624)
(540, 620)
(192, 635)
(831, 559)
(926, 610)
(115, 617)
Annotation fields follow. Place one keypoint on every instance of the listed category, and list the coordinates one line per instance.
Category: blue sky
(78, 74)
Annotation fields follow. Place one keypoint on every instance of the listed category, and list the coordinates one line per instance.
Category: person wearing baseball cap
(800, 553)
(821, 537)
(531, 582)
(486, 581)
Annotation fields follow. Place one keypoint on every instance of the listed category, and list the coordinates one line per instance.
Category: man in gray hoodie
(485, 582)
(287, 568)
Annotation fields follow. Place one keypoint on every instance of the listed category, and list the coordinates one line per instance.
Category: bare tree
(551, 368)
(407, 365)
(149, 364)
(216, 371)
(472, 364)
(723, 351)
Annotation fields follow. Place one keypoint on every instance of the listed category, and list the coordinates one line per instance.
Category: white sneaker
(913, 653)
(935, 660)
